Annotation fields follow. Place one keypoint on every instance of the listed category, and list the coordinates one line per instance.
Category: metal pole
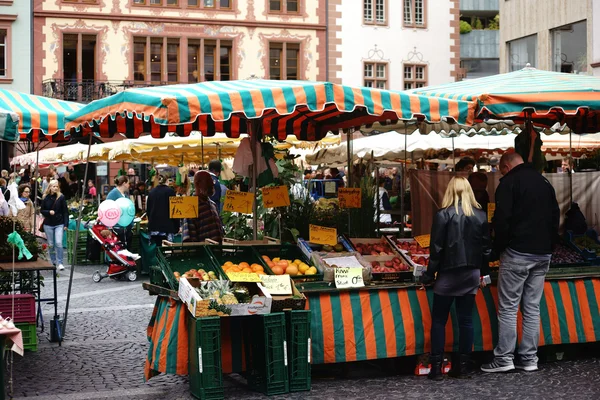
(350, 160)
(570, 166)
(202, 150)
(77, 226)
(254, 132)
(453, 156)
(377, 193)
(35, 190)
(402, 180)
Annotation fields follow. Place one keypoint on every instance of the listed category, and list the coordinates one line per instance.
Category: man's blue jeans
(54, 235)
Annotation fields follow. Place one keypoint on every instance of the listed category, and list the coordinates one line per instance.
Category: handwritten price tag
(276, 196)
(322, 235)
(241, 202)
(243, 277)
(491, 210)
(277, 284)
(348, 278)
(423, 240)
(349, 197)
(183, 207)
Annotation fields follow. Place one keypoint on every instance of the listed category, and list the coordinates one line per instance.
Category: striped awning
(9, 126)
(40, 118)
(306, 109)
(550, 98)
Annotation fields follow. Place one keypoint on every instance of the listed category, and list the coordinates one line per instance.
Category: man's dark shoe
(461, 366)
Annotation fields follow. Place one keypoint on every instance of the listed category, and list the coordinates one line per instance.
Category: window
(415, 13)
(375, 75)
(4, 53)
(156, 60)
(521, 52)
(374, 12)
(569, 48)
(153, 2)
(415, 76)
(284, 61)
(211, 4)
(284, 6)
(205, 57)
(81, 1)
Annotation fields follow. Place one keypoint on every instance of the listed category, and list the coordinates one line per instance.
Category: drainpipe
(327, 40)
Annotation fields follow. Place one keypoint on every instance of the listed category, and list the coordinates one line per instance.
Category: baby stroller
(121, 262)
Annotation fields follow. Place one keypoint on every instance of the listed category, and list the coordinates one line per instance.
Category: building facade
(553, 35)
(393, 44)
(86, 49)
(479, 38)
(15, 45)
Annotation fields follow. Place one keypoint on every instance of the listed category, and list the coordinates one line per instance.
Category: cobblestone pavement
(105, 347)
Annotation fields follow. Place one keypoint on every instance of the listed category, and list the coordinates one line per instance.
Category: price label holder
(423, 240)
(241, 202)
(322, 235)
(243, 277)
(349, 197)
(279, 285)
(183, 207)
(348, 278)
(276, 196)
(491, 209)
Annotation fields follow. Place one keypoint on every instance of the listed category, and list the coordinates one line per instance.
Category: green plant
(465, 27)
(494, 24)
(362, 220)
(476, 23)
(7, 226)
(236, 226)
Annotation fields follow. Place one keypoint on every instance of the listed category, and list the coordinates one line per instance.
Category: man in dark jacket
(160, 224)
(526, 227)
(214, 168)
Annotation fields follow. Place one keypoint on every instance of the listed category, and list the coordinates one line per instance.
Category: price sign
(491, 210)
(276, 196)
(322, 235)
(348, 277)
(423, 240)
(241, 202)
(330, 187)
(277, 284)
(349, 197)
(243, 277)
(183, 207)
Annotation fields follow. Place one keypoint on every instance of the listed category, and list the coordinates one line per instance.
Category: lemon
(303, 268)
(311, 271)
(276, 259)
(298, 262)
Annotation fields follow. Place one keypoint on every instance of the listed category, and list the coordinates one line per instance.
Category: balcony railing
(85, 91)
(479, 44)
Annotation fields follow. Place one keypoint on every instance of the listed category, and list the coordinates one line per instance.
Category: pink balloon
(109, 213)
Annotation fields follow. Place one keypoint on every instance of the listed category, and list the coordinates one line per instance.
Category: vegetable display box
(587, 245)
(292, 256)
(192, 262)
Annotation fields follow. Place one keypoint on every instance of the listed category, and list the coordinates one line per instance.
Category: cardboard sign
(423, 240)
(330, 187)
(241, 202)
(243, 277)
(183, 207)
(276, 196)
(322, 235)
(277, 284)
(491, 210)
(349, 197)
(348, 278)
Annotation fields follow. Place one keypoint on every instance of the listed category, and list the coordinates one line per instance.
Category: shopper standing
(121, 189)
(56, 221)
(160, 224)
(459, 256)
(214, 168)
(208, 224)
(25, 215)
(526, 226)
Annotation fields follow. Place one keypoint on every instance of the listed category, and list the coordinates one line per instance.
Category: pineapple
(227, 296)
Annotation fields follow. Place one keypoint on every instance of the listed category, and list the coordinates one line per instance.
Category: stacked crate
(23, 316)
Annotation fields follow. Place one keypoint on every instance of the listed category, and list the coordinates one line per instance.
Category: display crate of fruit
(328, 262)
(289, 259)
(239, 259)
(193, 262)
(564, 256)
(293, 301)
(587, 245)
(343, 245)
(390, 268)
(373, 247)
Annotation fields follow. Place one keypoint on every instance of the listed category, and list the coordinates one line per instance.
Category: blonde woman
(25, 215)
(56, 221)
(459, 253)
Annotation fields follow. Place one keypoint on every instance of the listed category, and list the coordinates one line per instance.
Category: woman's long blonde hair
(459, 192)
(47, 191)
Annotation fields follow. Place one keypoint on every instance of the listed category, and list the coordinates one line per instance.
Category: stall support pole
(403, 182)
(254, 132)
(571, 167)
(35, 189)
(77, 226)
(202, 150)
(349, 175)
(453, 156)
(377, 193)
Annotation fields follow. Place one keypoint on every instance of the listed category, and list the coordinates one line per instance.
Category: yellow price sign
(423, 240)
(276, 196)
(183, 206)
(241, 202)
(349, 197)
(322, 235)
(243, 277)
(490, 211)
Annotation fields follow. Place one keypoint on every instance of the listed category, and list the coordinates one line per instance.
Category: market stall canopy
(547, 97)
(306, 109)
(9, 126)
(40, 118)
(57, 156)
(390, 146)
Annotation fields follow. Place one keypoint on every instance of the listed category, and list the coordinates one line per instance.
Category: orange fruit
(244, 264)
(257, 267)
(234, 269)
(277, 270)
(228, 264)
(292, 270)
(266, 258)
(260, 273)
(283, 264)
(247, 269)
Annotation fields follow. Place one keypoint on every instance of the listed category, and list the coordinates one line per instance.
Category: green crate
(298, 347)
(266, 358)
(182, 259)
(206, 376)
(287, 252)
(30, 339)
